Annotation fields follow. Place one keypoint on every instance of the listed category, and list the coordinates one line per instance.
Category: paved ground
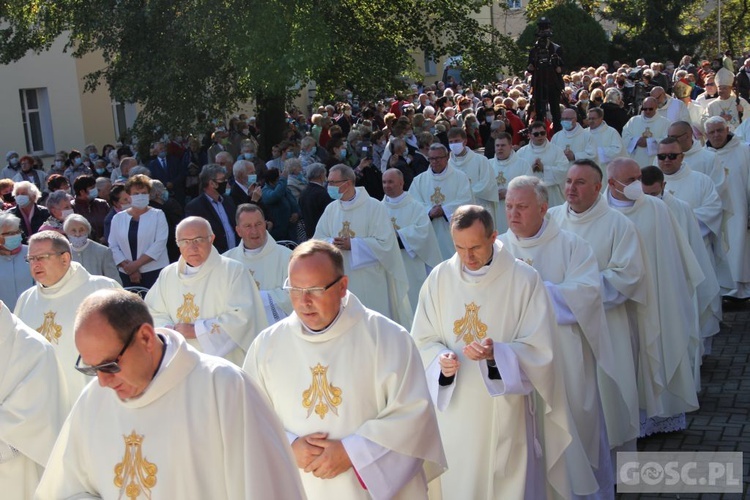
(723, 421)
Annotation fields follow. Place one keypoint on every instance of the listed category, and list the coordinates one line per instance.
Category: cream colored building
(44, 109)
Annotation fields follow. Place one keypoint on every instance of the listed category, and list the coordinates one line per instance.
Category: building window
(35, 116)
(514, 4)
(430, 67)
(124, 115)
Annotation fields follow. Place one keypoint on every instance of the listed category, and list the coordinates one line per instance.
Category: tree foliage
(655, 31)
(582, 38)
(735, 16)
(177, 59)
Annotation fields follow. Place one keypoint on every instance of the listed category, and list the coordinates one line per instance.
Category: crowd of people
(394, 271)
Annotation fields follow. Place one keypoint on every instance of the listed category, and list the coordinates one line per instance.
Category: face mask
(433, 130)
(93, 193)
(334, 192)
(78, 161)
(252, 178)
(222, 187)
(325, 115)
(249, 156)
(58, 164)
(14, 161)
(456, 147)
(93, 156)
(228, 191)
(567, 124)
(125, 206)
(301, 176)
(12, 242)
(22, 200)
(313, 150)
(139, 200)
(633, 191)
(246, 131)
(348, 112)
(163, 154)
(100, 171)
(342, 154)
(489, 118)
(78, 241)
(165, 196)
(66, 212)
(289, 154)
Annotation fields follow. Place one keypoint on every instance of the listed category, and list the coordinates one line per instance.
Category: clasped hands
(325, 458)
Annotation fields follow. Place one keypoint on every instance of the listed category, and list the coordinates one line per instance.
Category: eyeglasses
(338, 183)
(192, 241)
(678, 136)
(671, 156)
(437, 158)
(647, 109)
(313, 291)
(110, 366)
(538, 134)
(42, 257)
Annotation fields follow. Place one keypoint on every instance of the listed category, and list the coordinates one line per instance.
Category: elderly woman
(60, 208)
(615, 114)
(95, 258)
(87, 203)
(138, 236)
(173, 211)
(471, 127)
(29, 173)
(15, 272)
(31, 214)
(296, 182)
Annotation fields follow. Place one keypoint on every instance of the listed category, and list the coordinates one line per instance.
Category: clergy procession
(469, 300)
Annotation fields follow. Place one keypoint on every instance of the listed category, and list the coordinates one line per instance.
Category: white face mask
(139, 200)
(456, 147)
(22, 200)
(633, 191)
(66, 212)
(78, 241)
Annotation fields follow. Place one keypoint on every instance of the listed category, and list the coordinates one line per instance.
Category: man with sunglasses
(642, 133)
(547, 160)
(162, 420)
(348, 386)
(49, 306)
(210, 299)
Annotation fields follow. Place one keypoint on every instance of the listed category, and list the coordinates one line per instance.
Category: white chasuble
(374, 264)
(34, 405)
(201, 429)
(483, 185)
(652, 129)
(269, 268)
(676, 274)
(221, 300)
(51, 311)
(625, 290)
(554, 171)
(497, 433)
(414, 230)
(578, 141)
(504, 172)
(359, 380)
(450, 189)
(674, 110)
(735, 161)
(608, 144)
(570, 272)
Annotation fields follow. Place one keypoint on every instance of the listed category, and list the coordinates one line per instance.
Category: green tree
(655, 31)
(735, 16)
(582, 38)
(177, 59)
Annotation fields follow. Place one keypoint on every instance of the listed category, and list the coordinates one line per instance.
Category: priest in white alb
(672, 265)
(734, 156)
(266, 260)
(729, 106)
(34, 405)
(360, 227)
(626, 289)
(162, 420)
(607, 140)
(642, 133)
(574, 140)
(476, 167)
(441, 190)
(669, 107)
(486, 330)
(570, 273)
(210, 299)
(506, 166)
(415, 235)
(348, 387)
(49, 306)
(548, 162)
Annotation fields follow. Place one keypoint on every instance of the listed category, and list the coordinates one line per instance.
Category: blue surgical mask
(100, 170)
(342, 154)
(12, 242)
(249, 156)
(290, 154)
(93, 156)
(567, 125)
(334, 192)
(163, 154)
(78, 161)
(252, 178)
(93, 193)
(312, 151)
(165, 196)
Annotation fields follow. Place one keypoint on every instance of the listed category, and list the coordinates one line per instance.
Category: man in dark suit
(216, 206)
(314, 199)
(168, 169)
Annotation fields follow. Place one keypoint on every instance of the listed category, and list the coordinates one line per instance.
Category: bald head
(393, 182)
(193, 222)
(649, 106)
(622, 172)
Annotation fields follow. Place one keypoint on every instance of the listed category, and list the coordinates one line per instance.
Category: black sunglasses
(538, 134)
(671, 156)
(110, 366)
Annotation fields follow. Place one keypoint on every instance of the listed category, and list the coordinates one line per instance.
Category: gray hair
(530, 182)
(9, 220)
(157, 189)
(59, 242)
(193, 220)
(239, 167)
(292, 163)
(307, 141)
(72, 218)
(56, 198)
(102, 181)
(248, 208)
(34, 192)
(715, 120)
(345, 170)
(139, 170)
(438, 146)
(209, 172)
(316, 171)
